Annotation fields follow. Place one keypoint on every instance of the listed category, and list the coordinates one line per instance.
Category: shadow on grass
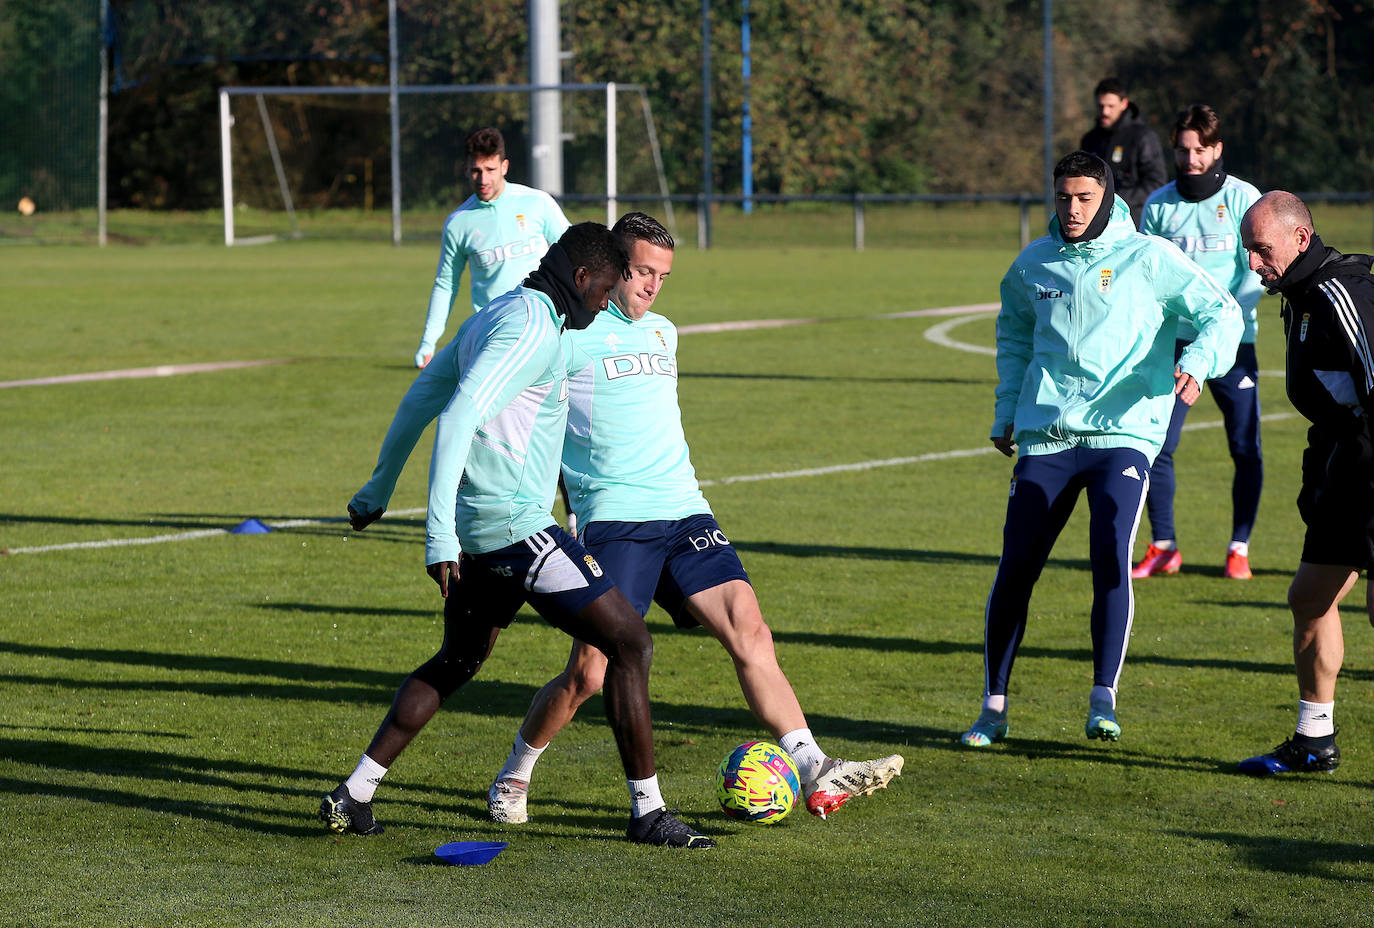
(142, 733)
(437, 611)
(923, 556)
(914, 555)
(890, 644)
(1089, 752)
(188, 773)
(1291, 855)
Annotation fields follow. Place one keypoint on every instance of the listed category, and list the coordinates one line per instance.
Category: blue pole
(704, 222)
(748, 149)
(1047, 81)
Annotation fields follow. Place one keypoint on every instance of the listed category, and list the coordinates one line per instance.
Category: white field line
(136, 373)
(939, 334)
(723, 481)
(966, 314)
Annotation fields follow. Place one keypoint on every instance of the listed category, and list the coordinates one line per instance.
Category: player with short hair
(502, 231)
(495, 464)
(1086, 379)
(642, 515)
(1200, 213)
(1328, 320)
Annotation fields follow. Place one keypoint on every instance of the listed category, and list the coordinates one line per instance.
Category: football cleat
(1102, 724)
(506, 801)
(984, 732)
(1237, 566)
(1293, 757)
(662, 829)
(347, 816)
(848, 778)
(1157, 561)
(361, 520)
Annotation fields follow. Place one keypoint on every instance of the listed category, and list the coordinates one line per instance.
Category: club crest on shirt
(660, 339)
(1117, 154)
(1302, 330)
(592, 565)
(1221, 212)
(520, 221)
(1104, 280)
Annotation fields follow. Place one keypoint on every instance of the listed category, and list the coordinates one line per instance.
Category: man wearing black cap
(1124, 140)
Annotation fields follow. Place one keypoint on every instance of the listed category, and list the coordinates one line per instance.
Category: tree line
(908, 96)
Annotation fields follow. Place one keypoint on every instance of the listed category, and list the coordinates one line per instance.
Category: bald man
(1328, 318)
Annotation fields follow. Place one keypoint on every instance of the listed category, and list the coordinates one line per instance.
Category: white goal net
(317, 161)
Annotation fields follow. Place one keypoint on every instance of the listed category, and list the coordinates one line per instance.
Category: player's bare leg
(731, 613)
(613, 626)
(348, 809)
(552, 708)
(1318, 642)
(1318, 651)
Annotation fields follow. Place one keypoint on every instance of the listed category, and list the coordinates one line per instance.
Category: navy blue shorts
(550, 570)
(665, 561)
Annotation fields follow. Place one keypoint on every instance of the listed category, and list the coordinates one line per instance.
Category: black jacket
(1328, 320)
(1132, 149)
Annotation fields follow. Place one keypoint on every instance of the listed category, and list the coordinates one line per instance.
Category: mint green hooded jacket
(1085, 338)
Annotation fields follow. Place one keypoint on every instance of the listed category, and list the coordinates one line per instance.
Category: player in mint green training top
(643, 517)
(1086, 381)
(1200, 213)
(502, 231)
(492, 476)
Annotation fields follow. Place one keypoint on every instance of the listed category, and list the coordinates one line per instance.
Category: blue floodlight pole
(1048, 80)
(394, 104)
(704, 220)
(103, 126)
(747, 154)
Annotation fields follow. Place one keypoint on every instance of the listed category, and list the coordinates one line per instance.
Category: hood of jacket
(1119, 226)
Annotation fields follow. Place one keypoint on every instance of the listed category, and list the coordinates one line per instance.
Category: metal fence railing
(859, 201)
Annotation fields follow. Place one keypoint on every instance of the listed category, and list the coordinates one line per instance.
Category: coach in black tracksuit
(1328, 317)
(1126, 142)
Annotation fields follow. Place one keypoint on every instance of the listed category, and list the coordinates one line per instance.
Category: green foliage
(49, 87)
(869, 95)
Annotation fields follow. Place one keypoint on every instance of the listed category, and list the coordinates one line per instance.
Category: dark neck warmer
(1104, 213)
(1303, 267)
(554, 278)
(1197, 187)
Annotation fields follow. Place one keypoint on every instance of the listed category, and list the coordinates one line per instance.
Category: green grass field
(176, 710)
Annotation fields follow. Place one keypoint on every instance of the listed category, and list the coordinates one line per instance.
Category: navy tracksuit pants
(1237, 396)
(1044, 489)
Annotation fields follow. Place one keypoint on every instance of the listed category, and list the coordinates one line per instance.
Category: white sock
(995, 706)
(1102, 696)
(363, 783)
(1316, 719)
(1168, 544)
(644, 796)
(520, 764)
(805, 753)
(1240, 547)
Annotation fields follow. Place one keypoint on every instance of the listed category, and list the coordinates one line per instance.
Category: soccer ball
(757, 782)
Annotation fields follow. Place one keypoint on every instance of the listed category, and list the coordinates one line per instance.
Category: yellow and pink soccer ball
(757, 782)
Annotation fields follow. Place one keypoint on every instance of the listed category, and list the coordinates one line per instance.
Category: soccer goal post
(273, 138)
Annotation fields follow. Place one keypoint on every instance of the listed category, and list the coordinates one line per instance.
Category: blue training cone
(251, 527)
